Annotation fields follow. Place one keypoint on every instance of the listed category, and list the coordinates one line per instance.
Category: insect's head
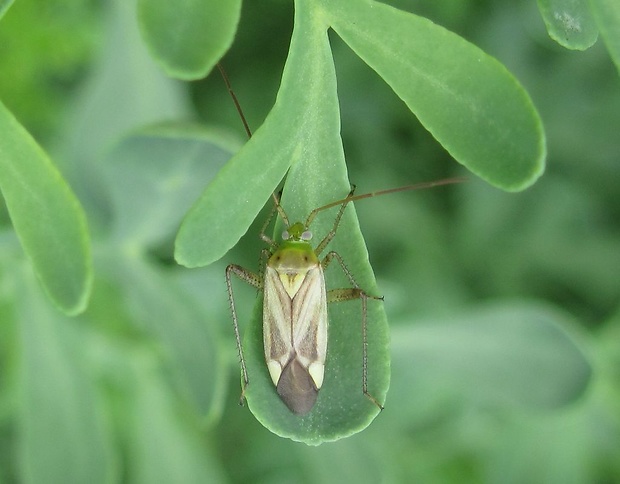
(297, 232)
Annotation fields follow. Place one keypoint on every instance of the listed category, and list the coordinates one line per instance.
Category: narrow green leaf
(501, 354)
(4, 6)
(470, 103)
(569, 22)
(62, 433)
(316, 177)
(188, 37)
(607, 15)
(46, 215)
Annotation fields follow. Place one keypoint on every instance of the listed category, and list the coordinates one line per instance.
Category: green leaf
(188, 37)
(125, 89)
(163, 446)
(569, 22)
(63, 437)
(46, 215)
(155, 174)
(4, 6)
(498, 354)
(607, 15)
(470, 103)
(181, 327)
(233, 199)
(318, 177)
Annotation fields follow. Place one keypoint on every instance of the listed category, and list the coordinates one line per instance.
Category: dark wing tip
(296, 388)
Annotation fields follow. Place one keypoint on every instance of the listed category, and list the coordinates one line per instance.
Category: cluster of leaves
(143, 368)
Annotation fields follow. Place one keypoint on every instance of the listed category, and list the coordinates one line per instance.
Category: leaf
(233, 199)
(569, 22)
(155, 174)
(318, 175)
(4, 6)
(607, 15)
(497, 354)
(62, 432)
(163, 447)
(47, 217)
(188, 37)
(469, 102)
(183, 330)
(125, 89)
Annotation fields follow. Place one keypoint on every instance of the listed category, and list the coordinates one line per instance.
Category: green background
(502, 307)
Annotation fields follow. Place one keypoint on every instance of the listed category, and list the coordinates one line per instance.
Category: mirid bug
(295, 299)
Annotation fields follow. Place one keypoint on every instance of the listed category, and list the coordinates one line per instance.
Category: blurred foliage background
(503, 307)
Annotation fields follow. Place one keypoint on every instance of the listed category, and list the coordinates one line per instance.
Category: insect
(295, 301)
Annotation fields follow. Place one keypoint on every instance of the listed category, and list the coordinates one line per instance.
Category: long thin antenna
(241, 115)
(234, 98)
(416, 186)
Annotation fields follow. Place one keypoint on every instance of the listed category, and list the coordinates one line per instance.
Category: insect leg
(256, 281)
(263, 236)
(332, 233)
(346, 294)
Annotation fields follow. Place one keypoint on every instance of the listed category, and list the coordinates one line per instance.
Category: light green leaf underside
(62, 433)
(607, 15)
(154, 175)
(46, 215)
(4, 6)
(188, 37)
(569, 22)
(498, 354)
(457, 91)
(318, 177)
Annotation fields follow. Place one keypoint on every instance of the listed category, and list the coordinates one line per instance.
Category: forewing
(309, 319)
(276, 321)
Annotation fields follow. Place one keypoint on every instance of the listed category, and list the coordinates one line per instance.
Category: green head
(296, 233)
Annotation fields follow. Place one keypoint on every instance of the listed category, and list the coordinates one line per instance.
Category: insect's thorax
(292, 261)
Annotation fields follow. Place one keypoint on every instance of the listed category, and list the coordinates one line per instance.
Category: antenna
(241, 115)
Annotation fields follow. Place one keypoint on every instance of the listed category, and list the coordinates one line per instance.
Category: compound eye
(286, 235)
(306, 235)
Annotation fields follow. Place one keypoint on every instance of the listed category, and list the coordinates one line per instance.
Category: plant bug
(295, 299)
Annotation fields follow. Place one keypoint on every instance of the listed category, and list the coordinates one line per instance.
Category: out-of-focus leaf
(63, 437)
(188, 37)
(163, 445)
(569, 22)
(46, 215)
(4, 6)
(607, 15)
(156, 174)
(126, 89)
(468, 101)
(188, 338)
(503, 354)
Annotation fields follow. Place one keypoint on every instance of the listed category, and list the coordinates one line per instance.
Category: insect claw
(242, 397)
(374, 400)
